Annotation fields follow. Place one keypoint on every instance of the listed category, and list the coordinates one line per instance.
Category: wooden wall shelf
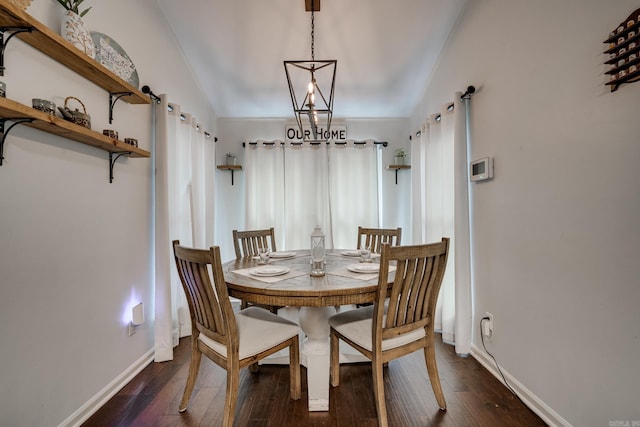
(397, 168)
(14, 111)
(53, 45)
(23, 26)
(231, 168)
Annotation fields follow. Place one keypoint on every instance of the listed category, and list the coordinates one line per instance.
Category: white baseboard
(96, 402)
(534, 403)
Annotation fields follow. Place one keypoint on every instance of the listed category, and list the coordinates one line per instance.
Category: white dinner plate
(351, 253)
(364, 267)
(269, 270)
(282, 254)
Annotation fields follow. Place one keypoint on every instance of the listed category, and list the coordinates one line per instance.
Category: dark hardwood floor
(474, 397)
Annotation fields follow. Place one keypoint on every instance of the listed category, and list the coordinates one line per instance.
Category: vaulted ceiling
(386, 50)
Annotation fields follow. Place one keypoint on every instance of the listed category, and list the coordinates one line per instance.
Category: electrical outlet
(487, 326)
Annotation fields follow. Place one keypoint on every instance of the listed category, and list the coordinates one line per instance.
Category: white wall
(230, 199)
(557, 231)
(75, 251)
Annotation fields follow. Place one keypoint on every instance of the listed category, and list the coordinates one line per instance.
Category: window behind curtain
(296, 187)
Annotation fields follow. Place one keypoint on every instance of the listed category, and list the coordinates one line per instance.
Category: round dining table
(309, 301)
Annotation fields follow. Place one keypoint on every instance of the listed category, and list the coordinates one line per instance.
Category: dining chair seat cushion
(258, 330)
(356, 325)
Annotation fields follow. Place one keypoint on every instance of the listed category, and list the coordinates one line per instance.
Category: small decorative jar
(3, 89)
(110, 133)
(131, 141)
(44, 106)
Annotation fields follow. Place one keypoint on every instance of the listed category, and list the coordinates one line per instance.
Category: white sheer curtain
(441, 209)
(306, 194)
(181, 157)
(264, 176)
(295, 187)
(353, 181)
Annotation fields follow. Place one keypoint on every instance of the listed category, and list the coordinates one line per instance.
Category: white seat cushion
(356, 325)
(258, 330)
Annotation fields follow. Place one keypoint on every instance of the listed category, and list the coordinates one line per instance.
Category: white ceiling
(385, 50)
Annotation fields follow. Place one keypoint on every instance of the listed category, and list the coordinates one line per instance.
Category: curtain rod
(294, 143)
(466, 95)
(146, 89)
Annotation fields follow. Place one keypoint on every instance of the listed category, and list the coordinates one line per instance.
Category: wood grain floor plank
(474, 397)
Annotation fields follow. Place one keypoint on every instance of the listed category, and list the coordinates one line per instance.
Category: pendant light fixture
(311, 86)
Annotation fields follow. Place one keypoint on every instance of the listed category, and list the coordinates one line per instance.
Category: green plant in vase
(74, 6)
(73, 28)
(230, 159)
(399, 156)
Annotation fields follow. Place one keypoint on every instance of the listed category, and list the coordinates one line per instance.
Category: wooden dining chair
(246, 243)
(375, 237)
(401, 319)
(231, 340)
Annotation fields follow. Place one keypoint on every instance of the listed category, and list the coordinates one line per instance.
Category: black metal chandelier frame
(314, 105)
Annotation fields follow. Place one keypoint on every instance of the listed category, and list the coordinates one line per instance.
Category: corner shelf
(231, 168)
(14, 111)
(397, 168)
(54, 46)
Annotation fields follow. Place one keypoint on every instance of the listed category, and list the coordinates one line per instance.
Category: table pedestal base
(314, 323)
(314, 351)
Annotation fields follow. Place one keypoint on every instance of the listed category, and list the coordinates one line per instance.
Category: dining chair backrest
(232, 341)
(246, 243)
(374, 237)
(209, 304)
(410, 303)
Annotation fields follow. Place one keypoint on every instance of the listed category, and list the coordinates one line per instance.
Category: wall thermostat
(481, 169)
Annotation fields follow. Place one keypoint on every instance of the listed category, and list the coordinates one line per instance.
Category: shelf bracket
(397, 176)
(4, 43)
(113, 98)
(4, 132)
(112, 162)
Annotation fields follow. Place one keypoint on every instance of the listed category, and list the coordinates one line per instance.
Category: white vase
(74, 31)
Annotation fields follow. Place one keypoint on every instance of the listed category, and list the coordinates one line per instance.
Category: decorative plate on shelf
(112, 56)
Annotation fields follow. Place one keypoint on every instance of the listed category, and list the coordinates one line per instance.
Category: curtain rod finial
(470, 91)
